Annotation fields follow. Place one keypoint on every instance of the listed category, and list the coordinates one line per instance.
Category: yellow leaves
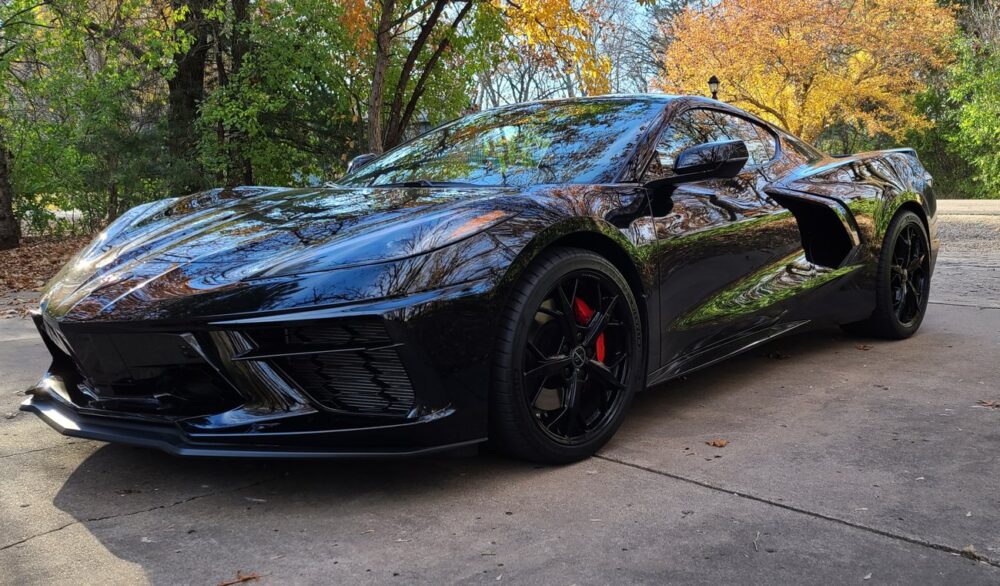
(805, 64)
(559, 32)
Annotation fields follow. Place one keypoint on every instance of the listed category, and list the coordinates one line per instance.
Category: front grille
(349, 366)
(156, 373)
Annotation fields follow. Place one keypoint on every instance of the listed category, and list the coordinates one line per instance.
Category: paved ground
(849, 461)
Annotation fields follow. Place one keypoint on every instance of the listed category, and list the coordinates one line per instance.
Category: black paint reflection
(404, 285)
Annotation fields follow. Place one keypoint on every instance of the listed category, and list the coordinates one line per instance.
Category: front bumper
(190, 389)
(393, 441)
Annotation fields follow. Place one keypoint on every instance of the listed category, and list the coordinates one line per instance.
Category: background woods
(108, 103)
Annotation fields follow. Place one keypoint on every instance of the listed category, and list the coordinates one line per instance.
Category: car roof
(649, 98)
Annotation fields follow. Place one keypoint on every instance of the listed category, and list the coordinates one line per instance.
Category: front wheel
(569, 359)
(903, 281)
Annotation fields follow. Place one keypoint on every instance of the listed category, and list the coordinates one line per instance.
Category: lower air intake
(368, 381)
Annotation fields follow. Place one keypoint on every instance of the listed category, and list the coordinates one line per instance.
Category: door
(718, 241)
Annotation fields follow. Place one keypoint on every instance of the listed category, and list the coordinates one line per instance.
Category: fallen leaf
(969, 551)
(864, 347)
(718, 443)
(241, 578)
(988, 404)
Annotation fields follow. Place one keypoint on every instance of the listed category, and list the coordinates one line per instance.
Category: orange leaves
(806, 64)
(357, 19)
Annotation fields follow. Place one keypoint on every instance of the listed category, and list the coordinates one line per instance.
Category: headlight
(402, 239)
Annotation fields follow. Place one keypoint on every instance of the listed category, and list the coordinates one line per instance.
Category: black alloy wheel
(570, 361)
(909, 274)
(903, 281)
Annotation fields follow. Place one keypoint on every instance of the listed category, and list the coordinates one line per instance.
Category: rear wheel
(903, 281)
(569, 359)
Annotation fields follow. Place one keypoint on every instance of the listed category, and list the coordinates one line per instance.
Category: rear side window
(805, 151)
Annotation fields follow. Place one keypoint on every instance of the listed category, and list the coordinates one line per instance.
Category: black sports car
(514, 276)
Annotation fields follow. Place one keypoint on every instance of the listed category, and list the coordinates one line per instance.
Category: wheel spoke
(618, 359)
(551, 424)
(575, 425)
(603, 374)
(905, 240)
(900, 302)
(571, 399)
(550, 367)
(570, 406)
(538, 353)
(566, 313)
(598, 323)
(917, 295)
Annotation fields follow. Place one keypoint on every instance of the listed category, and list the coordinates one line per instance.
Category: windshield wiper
(425, 183)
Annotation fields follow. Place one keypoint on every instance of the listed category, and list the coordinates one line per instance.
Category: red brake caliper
(583, 315)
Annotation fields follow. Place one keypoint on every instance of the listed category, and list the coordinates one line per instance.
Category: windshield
(585, 141)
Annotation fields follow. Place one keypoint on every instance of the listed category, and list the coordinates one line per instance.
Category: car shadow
(117, 482)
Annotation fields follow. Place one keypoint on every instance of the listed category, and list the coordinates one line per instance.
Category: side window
(695, 127)
(761, 150)
(686, 130)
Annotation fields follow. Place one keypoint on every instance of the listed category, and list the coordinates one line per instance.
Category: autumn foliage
(560, 32)
(806, 64)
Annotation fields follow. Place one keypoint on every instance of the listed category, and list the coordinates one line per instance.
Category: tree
(621, 31)
(408, 39)
(19, 21)
(809, 64)
(289, 99)
(973, 99)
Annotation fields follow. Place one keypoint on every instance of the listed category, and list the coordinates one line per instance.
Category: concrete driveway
(848, 461)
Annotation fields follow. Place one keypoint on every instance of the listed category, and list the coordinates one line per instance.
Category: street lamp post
(713, 85)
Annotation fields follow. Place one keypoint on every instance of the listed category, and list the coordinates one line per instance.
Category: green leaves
(974, 96)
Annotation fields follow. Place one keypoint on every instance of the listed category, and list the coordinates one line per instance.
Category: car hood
(223, 237)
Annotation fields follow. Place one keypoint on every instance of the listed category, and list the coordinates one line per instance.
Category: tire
(902, 284)
(556, 402)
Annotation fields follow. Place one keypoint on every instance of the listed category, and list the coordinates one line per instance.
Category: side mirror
(713, 160)
(360, 161)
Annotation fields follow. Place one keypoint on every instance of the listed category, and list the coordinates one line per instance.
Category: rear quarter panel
(874, 187)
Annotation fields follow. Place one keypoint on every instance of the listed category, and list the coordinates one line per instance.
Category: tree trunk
(186, 89)
(383, 40)
(399, 121)
(112, 202)
(10, 229)
(394, 130)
